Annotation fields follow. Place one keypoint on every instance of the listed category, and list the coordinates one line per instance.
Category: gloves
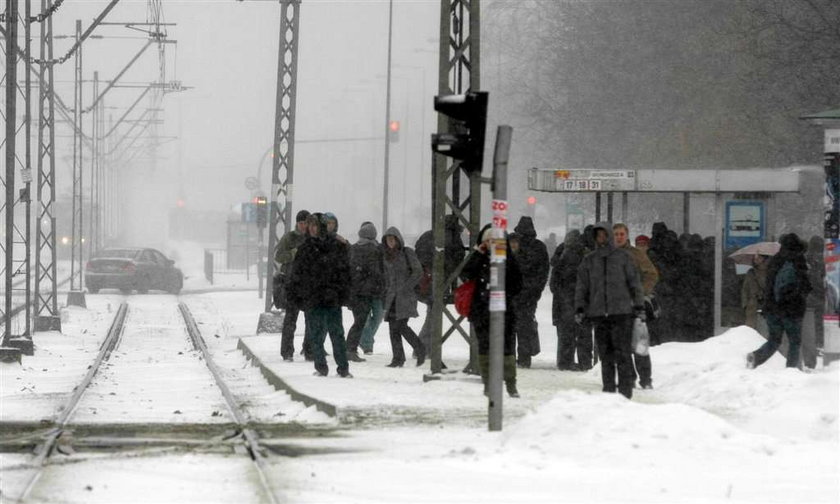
(640, 313)
(579, 317)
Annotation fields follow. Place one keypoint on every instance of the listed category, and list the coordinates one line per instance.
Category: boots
(510, 375)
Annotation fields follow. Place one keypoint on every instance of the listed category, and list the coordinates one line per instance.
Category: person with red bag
(477, 269)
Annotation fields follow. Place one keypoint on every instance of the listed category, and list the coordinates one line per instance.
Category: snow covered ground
(711, 430)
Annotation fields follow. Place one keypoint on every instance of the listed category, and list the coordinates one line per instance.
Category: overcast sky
(227, 54)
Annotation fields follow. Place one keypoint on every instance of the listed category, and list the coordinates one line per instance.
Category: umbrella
(745, 255)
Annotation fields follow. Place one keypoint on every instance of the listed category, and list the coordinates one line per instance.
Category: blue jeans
(372, 324)
(778, 324)
(323, 320)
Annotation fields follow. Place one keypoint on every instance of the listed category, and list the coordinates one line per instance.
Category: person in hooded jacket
(571, 338)
(533, 263)
(784, 304)
(332, 227)
(609, 293)
(320, 283)
(477, 268)
(284, 255)
(402, 271)
(367, 263)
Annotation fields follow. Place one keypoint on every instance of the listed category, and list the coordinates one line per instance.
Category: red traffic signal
(394, 131)
(532, 200)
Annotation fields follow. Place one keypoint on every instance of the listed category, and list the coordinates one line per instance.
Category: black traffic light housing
(468, 122)
(262, 211)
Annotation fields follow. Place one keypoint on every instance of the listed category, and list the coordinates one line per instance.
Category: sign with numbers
(594, 180)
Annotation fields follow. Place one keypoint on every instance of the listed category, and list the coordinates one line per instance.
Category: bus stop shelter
(690, 181)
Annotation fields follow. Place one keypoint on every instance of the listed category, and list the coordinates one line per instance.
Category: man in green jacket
(284, 255)
(649, 276)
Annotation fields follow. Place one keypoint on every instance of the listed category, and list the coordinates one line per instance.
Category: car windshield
(121, 253)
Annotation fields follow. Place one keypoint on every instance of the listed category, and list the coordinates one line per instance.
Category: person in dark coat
(533, 263)
(477, 268)
(609, 293)
(367, 265)
(402, 271)
(320, 284)
(572, 338)
(284, 255)
(453, 255)
(784, 301)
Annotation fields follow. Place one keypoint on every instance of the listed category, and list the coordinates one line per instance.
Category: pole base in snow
(10, 354)
(24, 344)
(271, 322)
(76, 298)
(47, 323)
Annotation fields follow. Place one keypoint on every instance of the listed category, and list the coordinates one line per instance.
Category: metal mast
(8, 204)
(282, 173)
(78, 149)
(46, 295)
(458, 73)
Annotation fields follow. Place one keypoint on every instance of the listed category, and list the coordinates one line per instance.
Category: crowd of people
(600, 283)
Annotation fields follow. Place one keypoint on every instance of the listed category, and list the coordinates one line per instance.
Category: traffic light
(262, 211)
(468, 120)
(394, 131)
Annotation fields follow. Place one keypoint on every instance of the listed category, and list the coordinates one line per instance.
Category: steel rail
(250, 437)
(46, 449)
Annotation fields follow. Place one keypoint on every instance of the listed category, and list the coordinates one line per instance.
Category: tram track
(70, 428)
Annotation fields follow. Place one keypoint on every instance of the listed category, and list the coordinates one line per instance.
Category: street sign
(744, 223)
(586, 180)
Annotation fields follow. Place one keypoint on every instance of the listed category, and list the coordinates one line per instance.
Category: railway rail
(243, 435)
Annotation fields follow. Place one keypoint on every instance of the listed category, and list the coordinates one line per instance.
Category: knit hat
(301, 216)
(642, 240)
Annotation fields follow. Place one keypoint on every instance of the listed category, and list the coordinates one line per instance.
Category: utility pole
(76, 295)
(9, 180)
(498, 259)
(386, 177)
(283, 162)
(458, 72)
(46, 293)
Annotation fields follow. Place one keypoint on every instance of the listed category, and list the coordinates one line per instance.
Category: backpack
(786, 283)
(463, 297)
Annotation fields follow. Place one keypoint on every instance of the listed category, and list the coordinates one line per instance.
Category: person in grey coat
(609, 294)
(403, 272)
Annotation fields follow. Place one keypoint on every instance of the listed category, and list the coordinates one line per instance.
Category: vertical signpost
(498, 258)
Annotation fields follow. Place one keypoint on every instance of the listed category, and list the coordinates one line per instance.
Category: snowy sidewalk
(378, 394)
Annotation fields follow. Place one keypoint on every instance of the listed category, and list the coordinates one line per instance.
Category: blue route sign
(745, 223)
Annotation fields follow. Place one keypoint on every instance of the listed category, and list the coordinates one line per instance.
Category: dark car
(127, 269)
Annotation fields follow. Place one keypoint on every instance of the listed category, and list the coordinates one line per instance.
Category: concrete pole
(498, 258)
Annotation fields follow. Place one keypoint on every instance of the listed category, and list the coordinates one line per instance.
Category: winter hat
(791, 243)
(367, 231)
(642, 240)
(301, 216)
